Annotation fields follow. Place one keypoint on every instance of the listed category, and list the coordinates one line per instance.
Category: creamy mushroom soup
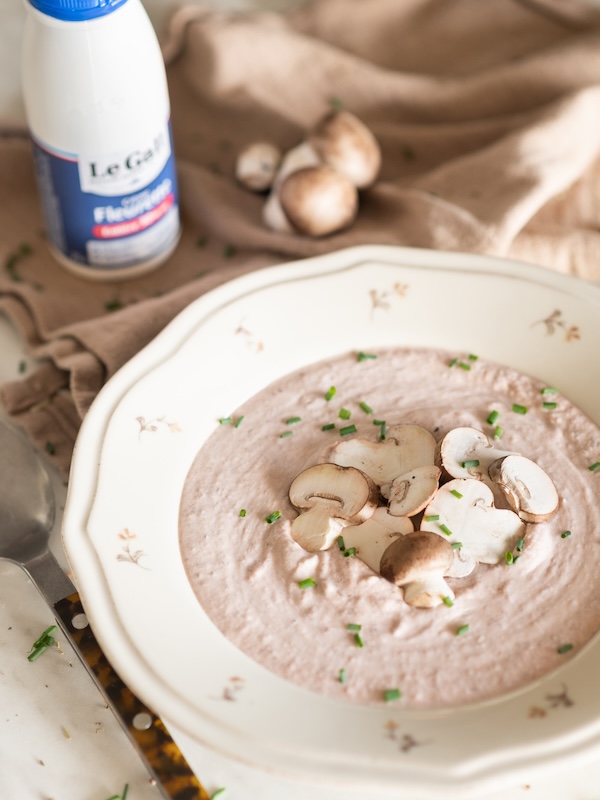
(326, 620)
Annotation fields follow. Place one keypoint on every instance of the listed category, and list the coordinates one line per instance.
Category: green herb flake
(519, 409)
(565, 534)
(358, 640)
(22, 367)
(456, 493)
(344, 413)
(113, 305)
(594, 467)
(549, 406)
(353, 626)
(564, 648)
(365, 356)
(307, 583)
(473, 357)
(390, 695)
(432, 518)
(470, 464)
(366, 407)
(520, 544)
(445, 529)
(348, 429)
(229, 251)
(492, 417)
(239, 422)
(508, 557)
(453, 362)
(293, 420)
(42, 643)
(286, 434)
(340, 543)
(242, 512)
(464, 365)
(498, 432)
(273, 517)
(351, 551)
(462, 629)
(548, 390)
(336, 103)
(225, 421)
(330, 393)
(50, 448)
(342, 676)
(457, 545)
(328, 427)
(382, 430)
(201, 241)
(447, 601)
(217, 793)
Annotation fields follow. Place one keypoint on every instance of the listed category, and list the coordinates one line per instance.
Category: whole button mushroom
(318, 201)
(328, 498)
(418, 562)
(345, 143)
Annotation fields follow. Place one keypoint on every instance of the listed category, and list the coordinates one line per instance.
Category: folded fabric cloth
(487, 115)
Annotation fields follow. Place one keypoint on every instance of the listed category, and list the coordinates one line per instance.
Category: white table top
(57, 739)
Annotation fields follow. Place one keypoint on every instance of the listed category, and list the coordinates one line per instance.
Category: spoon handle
(165, 762)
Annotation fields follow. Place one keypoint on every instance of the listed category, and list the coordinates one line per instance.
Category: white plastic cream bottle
(97, 106)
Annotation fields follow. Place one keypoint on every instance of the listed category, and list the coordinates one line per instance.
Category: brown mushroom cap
(345, 143)
(416, 555)
(318, 200)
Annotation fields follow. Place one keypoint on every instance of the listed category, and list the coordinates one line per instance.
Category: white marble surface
(57, 739)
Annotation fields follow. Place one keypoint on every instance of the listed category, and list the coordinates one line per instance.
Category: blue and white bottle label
(113, 210)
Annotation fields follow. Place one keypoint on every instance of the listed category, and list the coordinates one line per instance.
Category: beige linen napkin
(488, 115)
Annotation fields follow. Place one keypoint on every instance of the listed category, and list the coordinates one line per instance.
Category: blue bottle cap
(76, 10)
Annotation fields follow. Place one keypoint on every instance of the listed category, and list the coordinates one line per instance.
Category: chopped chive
(217, 793)
(330, 393)
(39, 650)
(447, 601)
(293, 420)
(342, 676)
(382, 430)
(548, 390)
(464, 365)
(519, 409)
(457, 545)
(445, 529)
(340, 543)
(550, 406)
(239, 422)
(22, 367)
(348, 429)
(229, 250)
(462, 629)
(50, 448)
(520, 545)
(508, 557)
(242, 512)
(594, 466)
(113, 305)
(273, 517)
(515, 559)
(364, 356)
(432, 518)
(329, 427)
(286, 434)
(351, 551)
(41, 639)
(307, 583)
(492, 417)
(353, 626)
(379, 422)
(225, 421)
(498, 432)
(453, 362)
(564, 648)
(366, 407)
(125, 792)
(565, 534)
(456, 493)
(473, 357)
(358, 640)
(469, 464)
(344, 413)
(392, 694)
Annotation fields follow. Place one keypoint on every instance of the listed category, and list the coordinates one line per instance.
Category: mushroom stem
(427, 592)
(316, 529)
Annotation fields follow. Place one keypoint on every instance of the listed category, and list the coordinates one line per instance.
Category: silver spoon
(27, 516)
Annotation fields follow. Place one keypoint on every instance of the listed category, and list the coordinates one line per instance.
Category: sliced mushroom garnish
(528, 489)
(418, 562)
(468, 453)
(329, 497)
(463, 512)
(410, 493)
(372, 537)
(405, 448)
